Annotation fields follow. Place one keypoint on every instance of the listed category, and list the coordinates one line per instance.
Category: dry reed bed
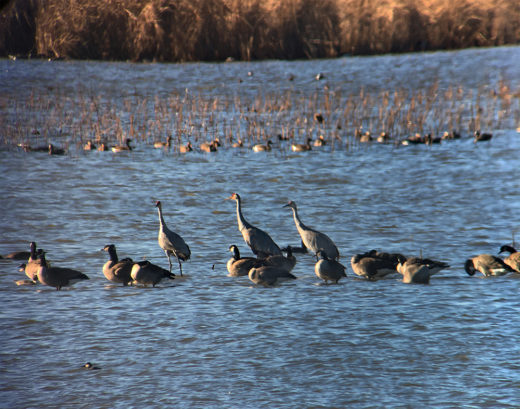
(197, 118)
(193, 30)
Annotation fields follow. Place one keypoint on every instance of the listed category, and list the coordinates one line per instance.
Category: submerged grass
(286, 116)
(195, 30)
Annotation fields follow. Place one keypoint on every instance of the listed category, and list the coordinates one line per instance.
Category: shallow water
(208, 340)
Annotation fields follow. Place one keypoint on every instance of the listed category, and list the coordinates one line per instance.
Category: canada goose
(27, 148)
(89, 146)
(238, 144)
(55, 151)
(18, 255)
(419, 270)
(89, 366)
(258, 240)
(487, 264)
(302, 147)
(480, 137)
(328, 269)
(33, 263)
(186, 148)
(320, 141)
(262, 147)
(319, 76)
(312, 239)
(318, 117)
(103, 147)
(115, 270)
(123, 148)
(450, 135)
(171, 242)
(239, 266)
(430, 140)
(210, 146)
(281, 261)
(366, 137)
(145, 273)
(269, 275)
(513, 260)
(58, 276)
(162, 144)
(374, 265)
(413, 140)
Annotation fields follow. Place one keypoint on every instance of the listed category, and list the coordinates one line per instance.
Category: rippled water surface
(210, 341)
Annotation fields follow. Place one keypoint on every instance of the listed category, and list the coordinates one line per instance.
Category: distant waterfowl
(186, 148)
(419, 270)
(115, 270)
(374, 265)
(163, 144)
(269, 275)
(450, 135)
(383, 138)
(487, 264)
(413, 140)
(58, 277)
(88, 365)
(258, 240)
(210, 146)
(171, 242)
(318, 117)
(18, 255)
(281, 261)
(262, 147)
(89, 146)
(123, 148)
(320, 141)
(366, 137)
(55, 151)
(327, 269)
(313, 240)
(302, 147)
(480, 137)
(27, 148)
(238, 144)
(319, 76)
(239, 266)
(430, 140)
(103, 147)
(146, 273)
(513, 260)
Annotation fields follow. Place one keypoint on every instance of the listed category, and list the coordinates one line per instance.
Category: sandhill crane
(328, 269)
(123, 148)
(487, 264)
(269, 275)
(262, 147)
(145, 273)
(374, 265)
(239, 266)
(260, 242)
(115, 270)
(58, 276)
(419, 270)
(513, 260)
(163, 144)
(312, 239)
(171, 242)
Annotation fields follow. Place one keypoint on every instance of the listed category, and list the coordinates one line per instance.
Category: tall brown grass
(189, 30)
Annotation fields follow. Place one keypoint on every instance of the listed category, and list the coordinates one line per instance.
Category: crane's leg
(169, 260)
(179, 261)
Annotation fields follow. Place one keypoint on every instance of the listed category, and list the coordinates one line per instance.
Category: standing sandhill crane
(115, 270)
(58, 276)
(513, 260)
(269, 275)
(145, 273)
(171, 242)
(239, 266)
(328, 269)
(312, 239)
(487, 264)
(260, 242)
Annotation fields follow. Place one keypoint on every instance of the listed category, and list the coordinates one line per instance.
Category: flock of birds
(269, 266)
(214, 145)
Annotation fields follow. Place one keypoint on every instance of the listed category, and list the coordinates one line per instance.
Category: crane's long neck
(161, 220)
(242, 222)
(297, 221)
